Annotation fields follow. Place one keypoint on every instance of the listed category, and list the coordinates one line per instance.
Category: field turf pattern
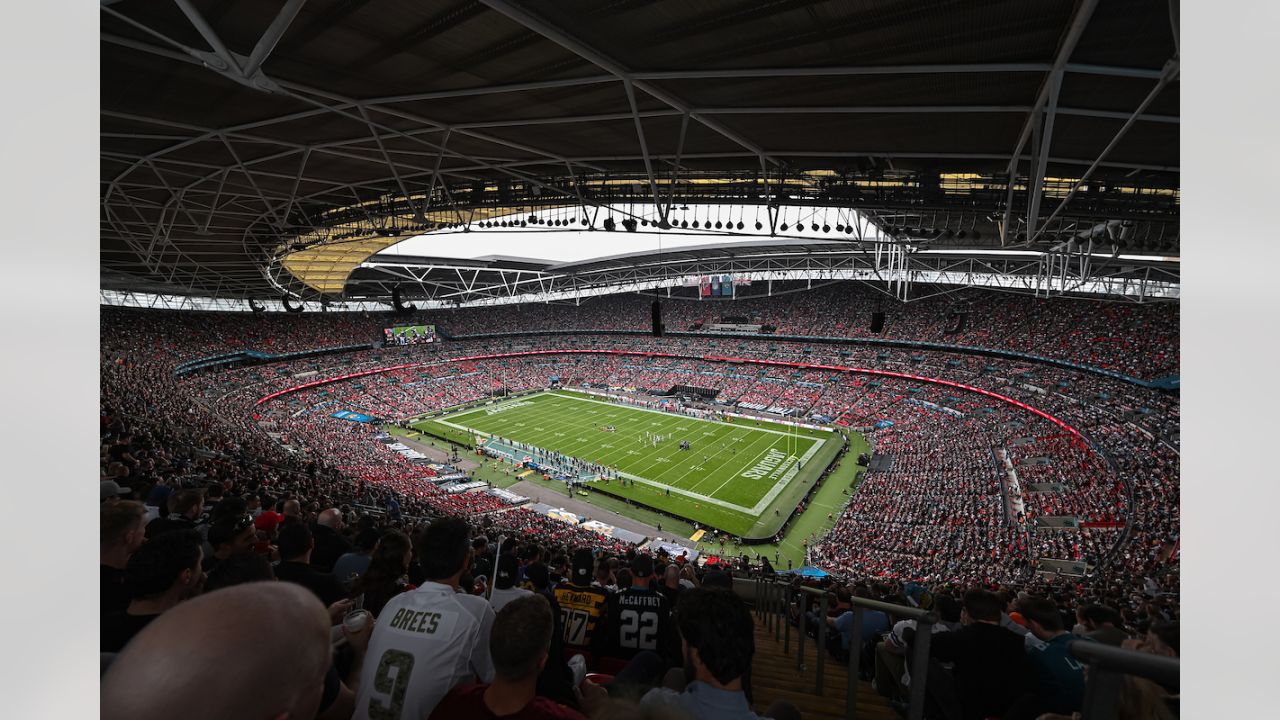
(572, 423)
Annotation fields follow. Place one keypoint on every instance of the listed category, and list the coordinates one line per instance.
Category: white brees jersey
(425, 642)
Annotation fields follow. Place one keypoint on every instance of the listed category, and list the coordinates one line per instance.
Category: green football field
(743, 477)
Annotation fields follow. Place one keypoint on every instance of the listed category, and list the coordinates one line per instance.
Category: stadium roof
(242, 140)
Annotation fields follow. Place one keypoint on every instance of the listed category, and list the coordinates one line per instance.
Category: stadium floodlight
(740, 225)
(629, 224)
(609, 224)
(783, 227)
(826, 228)
(759, 225)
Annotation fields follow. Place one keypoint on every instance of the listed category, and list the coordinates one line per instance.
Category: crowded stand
(1133, 339)
(967, 500)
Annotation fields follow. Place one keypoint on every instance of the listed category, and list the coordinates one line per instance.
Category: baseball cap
(537, 575)
(508, 569)
(642, 565)
(584, 563)
(158, 495)
(110, 488)
(268, 520)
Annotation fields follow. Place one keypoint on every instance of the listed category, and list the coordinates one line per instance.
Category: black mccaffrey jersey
(636, 620)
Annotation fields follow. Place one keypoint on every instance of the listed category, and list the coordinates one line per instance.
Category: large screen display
(410, 334)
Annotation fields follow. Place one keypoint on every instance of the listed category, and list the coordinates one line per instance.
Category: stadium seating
(939, 514)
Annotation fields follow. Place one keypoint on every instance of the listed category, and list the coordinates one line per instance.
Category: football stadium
(640, 359)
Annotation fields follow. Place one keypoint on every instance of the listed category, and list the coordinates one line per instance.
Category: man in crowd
(989, 664)
(874, 624)
(122, 529)
(351, 565)
(162, 573)
(893, 671)
(519, 644)
(638, 618)
(430, 639)
(192, 662)
(296, 545)
(557, 679)
(330, 544)
(581, 602)
(1161, 639)
(185, 508)
(229, 536)
(1102, 624)
(238, 570)
(481, 557)
(671, 586)
(504, 589)
(717, 642)
(111, 491)
(1057, 678)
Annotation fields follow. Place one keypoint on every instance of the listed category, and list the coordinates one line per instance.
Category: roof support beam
(207, 32)
(554, 34)
(1170, 73)
(390, 165)
(644, 146)
(213, 206)
(471, 133)
(873, 70)
(268, 41)
(1040, 158)
(808, 110)
(297, 180)
(435, 174)
(494, 89)
(846, 71)
(1069, 42)
(269, 208)
(302, 93)
(675, 166)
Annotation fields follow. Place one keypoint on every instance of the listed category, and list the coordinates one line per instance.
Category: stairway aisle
(774, 676)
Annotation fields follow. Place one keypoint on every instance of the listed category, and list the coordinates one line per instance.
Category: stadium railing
(772, 603)
(1107, 667)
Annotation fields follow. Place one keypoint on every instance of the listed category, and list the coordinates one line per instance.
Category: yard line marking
(505, 420)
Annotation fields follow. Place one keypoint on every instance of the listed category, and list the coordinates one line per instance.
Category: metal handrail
(925, 620)
(1107, 667)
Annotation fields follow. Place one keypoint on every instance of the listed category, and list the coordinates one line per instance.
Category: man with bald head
(258, 651)
(330, 544)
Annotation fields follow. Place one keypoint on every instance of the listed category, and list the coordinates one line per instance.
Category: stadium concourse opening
(529, 344)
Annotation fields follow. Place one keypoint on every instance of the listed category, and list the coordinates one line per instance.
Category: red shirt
(467, 701)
